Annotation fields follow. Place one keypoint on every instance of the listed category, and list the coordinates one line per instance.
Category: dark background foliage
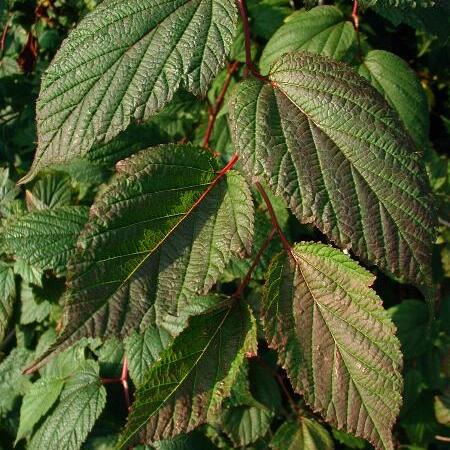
(32, 31)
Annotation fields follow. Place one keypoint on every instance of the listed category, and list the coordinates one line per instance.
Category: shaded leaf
(145, 251)
(323, 30)
(7, 296)
(246, 424)
(190, 380)
(330, 145)
(123, 63)
(46, 239)
(394, 79)
(82, 401)
(306, 434)
(191, 441)
(50, 191)
(335, 340)
(411, 318)
(36, 403)
(12, 383)
(32, 310)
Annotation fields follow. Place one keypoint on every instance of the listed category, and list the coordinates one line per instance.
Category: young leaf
(123, 63)
(322, 30)
(394, 79)
(46, 238)
(306, 434)
(36, 402)
(330, 145)
(51, 191)
(158, 234)
(246, 424)
(192, 377)
(80, 405)
(143, 349)
(7, 296)
(335, 340)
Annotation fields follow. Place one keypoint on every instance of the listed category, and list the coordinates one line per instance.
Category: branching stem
(214, 110)
(255, 262)
(123, 380)
(273, 218)
(248, 41)
(280, 381)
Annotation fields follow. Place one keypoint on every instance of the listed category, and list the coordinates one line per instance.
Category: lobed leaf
(328, 143)
(323, 30)
(187, 385)
(335, 340)
(45, 238)
(123, 63)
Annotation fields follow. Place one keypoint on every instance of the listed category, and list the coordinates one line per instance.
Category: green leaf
(306, 434)
(394, 79)
(187, 385)
(8, 191)
(335, 340)
(191, 441)
(82, 401)
(12, 383)
(246, 424)
(143, 349)
(51, 191)
(411, 317)
(267, 16)
(29, 273)
(328, 143)
(323, 30)
(32, 310)
(146, 251)
(442, 409)
(405, 4)
(46, 238)
(348, 440)
(123, 63)
(36, 402)
(7, 296)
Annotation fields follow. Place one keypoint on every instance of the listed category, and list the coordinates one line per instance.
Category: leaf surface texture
(335, 340)
(123, 63)
(329, 143)
(192, 377)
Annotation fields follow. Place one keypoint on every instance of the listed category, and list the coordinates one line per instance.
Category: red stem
(123, 380)
(273, 218)
(355, 18)
(218, 105)
(248, 277)
(280, 381)
(3, 38)
(248, 41)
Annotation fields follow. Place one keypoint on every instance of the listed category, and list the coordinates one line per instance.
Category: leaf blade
(192, 377)
(143, 51)
(306, 133)
(335, 340)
